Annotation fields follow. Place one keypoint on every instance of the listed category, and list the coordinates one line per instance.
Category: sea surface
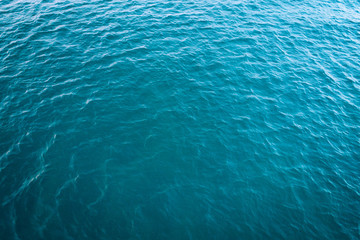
(180, 119)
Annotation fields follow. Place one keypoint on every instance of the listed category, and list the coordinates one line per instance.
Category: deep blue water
(180, 119)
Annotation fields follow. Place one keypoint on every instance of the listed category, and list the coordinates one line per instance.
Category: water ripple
(179, 120)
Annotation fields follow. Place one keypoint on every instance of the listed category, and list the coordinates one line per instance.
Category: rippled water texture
(179, 119)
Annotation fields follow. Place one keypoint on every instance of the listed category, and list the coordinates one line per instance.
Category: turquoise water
(180, 119)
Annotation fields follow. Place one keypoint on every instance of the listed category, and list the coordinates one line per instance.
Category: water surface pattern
(180, 119)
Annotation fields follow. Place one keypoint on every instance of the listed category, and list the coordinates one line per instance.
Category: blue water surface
(160, 119)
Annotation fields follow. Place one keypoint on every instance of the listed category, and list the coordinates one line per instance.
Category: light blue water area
(180, 119)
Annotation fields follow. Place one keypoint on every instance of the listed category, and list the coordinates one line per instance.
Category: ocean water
(180, 119)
